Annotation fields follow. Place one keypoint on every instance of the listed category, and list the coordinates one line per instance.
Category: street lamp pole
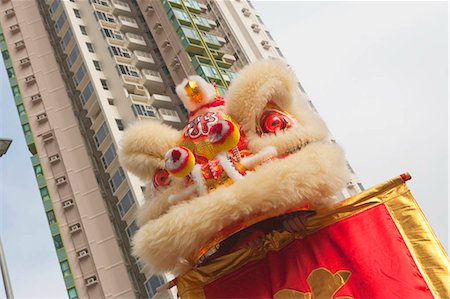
(4, 145)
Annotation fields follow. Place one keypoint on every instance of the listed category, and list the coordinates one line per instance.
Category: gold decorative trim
(425, 248)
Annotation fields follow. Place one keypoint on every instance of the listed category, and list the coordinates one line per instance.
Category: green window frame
(58, 241)
(72, 292)
(44, 193)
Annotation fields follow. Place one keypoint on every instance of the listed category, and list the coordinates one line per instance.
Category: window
(90, 47)
(86, 93)
(259, 19)
(83, 30)
(109, 156)
(120, 125)
(269, 35)
(117, 179)
(361, 187)
(26, 129)
(279, 51)
(104, 84)
(101, 135)
(11, 73)
(79, 75)
(72, 292)
(143, 110)
(54, 6)
(118, 51)
(168, 112)
(77, 13)
(128, 70)
(97, 65)
(101, 2)
(15, 91)
(65, 268)
(5, 55)
(125, 203)
(38, 170)
(44, 194)
(51, 217)
(60, 22)
(153, 283)
(21, 109)
(73, 56)
(132, 229)
(101, 16)
(66, 39)
(109, 33)
(57, 241)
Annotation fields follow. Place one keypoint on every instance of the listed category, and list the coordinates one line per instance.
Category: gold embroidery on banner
(323, 285)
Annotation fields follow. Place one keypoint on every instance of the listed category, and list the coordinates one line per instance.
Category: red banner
(372, 246)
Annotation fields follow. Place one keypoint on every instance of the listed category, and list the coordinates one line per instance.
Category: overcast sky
(376, 71)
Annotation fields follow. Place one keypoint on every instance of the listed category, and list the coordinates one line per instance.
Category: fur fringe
(316, 172)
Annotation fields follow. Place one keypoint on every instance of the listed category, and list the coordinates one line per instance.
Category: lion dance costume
(227, 198)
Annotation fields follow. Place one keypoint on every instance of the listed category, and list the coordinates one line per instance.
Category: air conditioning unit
(157, 27)
(24, 61)
(221, 40)
(30, 79)
(53, 158)
(75, 228)
(166, 45)
(265, 44)
(91, 281)
(350, 184)
(47, 136)
(82, 253)
(36, 98)
(149, 9)
(19, 45)
(175, 63)
(61, 180)
(14, 28)
(256, 28)
(68, 203)
(41, 117)
(246, 12)
(139, 90)
(9, 12)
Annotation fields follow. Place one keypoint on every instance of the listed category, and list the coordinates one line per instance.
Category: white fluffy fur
(209, 93)
(249, 94)
(315, 173)
(144, 145)
(169, 236)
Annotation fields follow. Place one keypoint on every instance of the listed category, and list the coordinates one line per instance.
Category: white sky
(376, 71)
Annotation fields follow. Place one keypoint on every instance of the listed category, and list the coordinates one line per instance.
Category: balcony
(128, 25)
(169, 116)
(131, 78)
(141, 99)
(202, 23)
(136, 42)
(121, 7)
(211, 40)
(143, 59)
(152, 80)
(191, 40)
(193, 6)
(101, 5)
(161, 101)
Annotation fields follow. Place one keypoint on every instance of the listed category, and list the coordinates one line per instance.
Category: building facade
(80, 72)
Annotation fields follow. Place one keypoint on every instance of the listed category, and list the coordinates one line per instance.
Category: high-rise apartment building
(80, 72)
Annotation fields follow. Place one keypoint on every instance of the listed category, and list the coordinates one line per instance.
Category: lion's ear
(144, 145)
(256, 85)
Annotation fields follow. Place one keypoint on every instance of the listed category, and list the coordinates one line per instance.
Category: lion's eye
(161, 178)
(272, 121)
